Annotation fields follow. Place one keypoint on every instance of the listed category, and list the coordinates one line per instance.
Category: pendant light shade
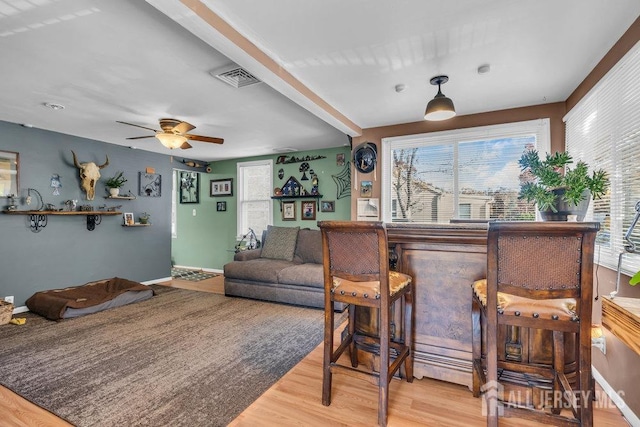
(440, 107)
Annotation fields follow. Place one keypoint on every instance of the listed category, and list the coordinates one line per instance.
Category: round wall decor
(365, 157)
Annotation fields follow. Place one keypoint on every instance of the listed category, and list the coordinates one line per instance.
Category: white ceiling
(134, 61)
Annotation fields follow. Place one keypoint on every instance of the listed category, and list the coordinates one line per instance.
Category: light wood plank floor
(295, 400)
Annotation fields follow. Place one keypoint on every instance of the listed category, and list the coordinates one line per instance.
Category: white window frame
(538, 126)
(242, 228)
(174, 204)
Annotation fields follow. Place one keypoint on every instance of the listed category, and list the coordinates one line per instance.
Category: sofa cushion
(309, 246)
(259, 270)
(280, 243)
(311, 275)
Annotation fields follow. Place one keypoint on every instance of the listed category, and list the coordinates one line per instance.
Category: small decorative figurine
(314, 184)
(56, 184)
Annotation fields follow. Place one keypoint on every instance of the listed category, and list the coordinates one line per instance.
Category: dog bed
(92, 297)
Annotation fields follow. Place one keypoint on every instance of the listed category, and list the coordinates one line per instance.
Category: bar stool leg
(407, 312)
(328, 353)
(383, 379)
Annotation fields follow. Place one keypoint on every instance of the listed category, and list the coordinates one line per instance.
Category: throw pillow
(309, 246)
(280, 243)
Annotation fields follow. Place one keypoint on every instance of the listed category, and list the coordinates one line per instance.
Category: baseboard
(210, 270)
(21, 309)
(629, 415)
(154, 281)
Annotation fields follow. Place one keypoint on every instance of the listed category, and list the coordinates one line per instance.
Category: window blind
(603, 129)
(254, 196)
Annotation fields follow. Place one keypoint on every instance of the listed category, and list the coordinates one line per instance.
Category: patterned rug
(191, 275)
(219, 354)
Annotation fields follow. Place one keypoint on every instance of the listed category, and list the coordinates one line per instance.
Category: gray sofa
(287, 269)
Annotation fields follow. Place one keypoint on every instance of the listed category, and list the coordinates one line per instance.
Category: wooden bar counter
(444, 260)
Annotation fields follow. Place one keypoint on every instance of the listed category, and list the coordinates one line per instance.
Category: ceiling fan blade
(204, 138)
(185, 145)
(141, 137)
(138, 126)
(182, 127)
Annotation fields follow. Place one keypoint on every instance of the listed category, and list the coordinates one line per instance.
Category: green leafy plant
(116, 181)
(553, 173)
(144, 218)
(635, 279)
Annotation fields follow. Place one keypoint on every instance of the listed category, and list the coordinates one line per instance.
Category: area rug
(181, 358)
(191, 275)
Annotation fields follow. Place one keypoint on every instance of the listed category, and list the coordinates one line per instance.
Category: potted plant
(144, 218)
(114, 183)
(557, 189)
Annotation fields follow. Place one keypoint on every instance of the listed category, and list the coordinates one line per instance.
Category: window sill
(621, 316)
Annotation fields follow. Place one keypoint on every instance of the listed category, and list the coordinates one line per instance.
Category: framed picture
(8, 174)
(308, 209)
(221, 206)
(289, 211)
(340, 159)
(327, 206)
(366, 188)
(221, 187)
(189, 187)
(150, 184)
(128, 218)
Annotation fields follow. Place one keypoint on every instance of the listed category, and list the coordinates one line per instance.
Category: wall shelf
(309, 196)
(137, 224)
(121, 197)
(38, 219)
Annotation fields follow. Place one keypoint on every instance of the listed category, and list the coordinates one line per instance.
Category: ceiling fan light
(171, 140)
(439, 108)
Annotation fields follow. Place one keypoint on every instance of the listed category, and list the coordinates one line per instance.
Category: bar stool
(539, 276)
(356, 272)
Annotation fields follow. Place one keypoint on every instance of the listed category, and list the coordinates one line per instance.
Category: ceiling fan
(174, 134)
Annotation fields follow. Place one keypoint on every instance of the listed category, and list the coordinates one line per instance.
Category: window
(603, 129)
(460, 174)
(174, 206)
(254, 196)
(464, 211)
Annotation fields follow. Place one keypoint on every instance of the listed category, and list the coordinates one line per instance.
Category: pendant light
(440, 107)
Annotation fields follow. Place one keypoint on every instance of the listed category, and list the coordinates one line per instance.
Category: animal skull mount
(89, 175)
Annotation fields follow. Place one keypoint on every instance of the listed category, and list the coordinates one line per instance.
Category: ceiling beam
(203, 22)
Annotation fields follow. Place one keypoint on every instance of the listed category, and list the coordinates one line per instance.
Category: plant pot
(563, 208)
(114, 191)
(144, 220)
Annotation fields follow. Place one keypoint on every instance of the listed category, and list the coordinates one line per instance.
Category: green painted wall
(207, 240)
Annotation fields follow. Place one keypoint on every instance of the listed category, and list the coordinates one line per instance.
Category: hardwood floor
(295, 400)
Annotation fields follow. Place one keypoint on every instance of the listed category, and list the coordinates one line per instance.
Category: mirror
(8, 173)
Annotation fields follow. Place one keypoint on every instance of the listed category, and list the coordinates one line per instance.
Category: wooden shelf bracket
(38, 220)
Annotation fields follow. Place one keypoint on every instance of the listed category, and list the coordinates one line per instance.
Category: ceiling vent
(236, 76)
